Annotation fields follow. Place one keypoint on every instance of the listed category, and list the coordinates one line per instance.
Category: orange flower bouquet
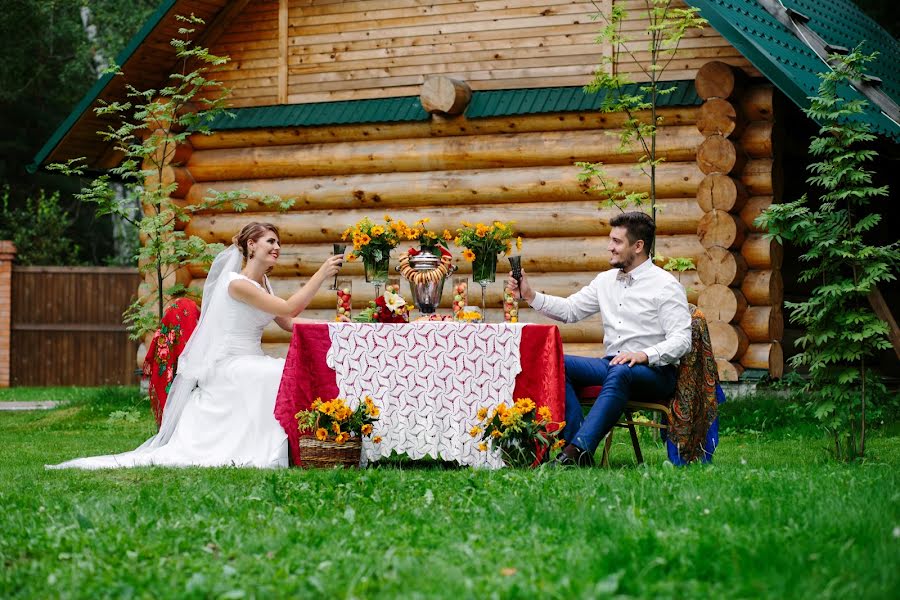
(522, 432)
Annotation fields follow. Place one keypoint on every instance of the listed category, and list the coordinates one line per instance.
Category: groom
(646, 330)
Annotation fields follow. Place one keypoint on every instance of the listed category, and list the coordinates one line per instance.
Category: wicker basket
(327, 454)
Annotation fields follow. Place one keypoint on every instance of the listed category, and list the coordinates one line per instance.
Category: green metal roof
(99, 85)
(500, 103)
(345, 112)
(790, 64)
(495, 103)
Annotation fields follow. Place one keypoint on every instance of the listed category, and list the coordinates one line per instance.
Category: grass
(772, 517)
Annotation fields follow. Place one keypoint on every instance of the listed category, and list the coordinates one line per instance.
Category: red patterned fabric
(306, 376)
(161, 362)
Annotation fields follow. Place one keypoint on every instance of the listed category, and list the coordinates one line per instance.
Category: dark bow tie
(623, 276)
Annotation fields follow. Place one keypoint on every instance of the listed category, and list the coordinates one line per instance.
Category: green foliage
(787, 523)
(666, 27)
(148, 128)
(40, 230)
(841, 330)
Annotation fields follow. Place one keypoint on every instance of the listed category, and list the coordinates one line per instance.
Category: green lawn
(771, 518)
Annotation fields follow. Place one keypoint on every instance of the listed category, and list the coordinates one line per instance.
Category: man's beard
(622, 262)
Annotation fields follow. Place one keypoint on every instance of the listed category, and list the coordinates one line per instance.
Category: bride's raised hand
(331, 266)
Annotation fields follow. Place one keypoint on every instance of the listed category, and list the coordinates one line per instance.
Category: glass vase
(377, 272)
(484, 271)
(518, 453)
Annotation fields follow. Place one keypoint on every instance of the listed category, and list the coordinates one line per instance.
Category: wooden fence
(67, 326)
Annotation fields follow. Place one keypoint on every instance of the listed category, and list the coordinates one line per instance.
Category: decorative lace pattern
(429, 379)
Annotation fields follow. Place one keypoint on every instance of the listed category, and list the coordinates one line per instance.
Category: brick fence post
(7, 253)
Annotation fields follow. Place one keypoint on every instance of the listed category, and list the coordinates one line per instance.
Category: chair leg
(634, 440)
(604, 460)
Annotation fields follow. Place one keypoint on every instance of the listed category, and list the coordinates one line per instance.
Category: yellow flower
(482, 447)
(501, 409)
(544, 413)
(481, 230)
(345, 234)
(519, 243)
(475, 431)
(482, 413)
(336, 428)
(377, 230)
(351, 257)
(496, 433)
(387, 218)
(562, 425)
(508, 248)
(466, 224)
(367, 429)
(341, 438)
(559, 444)
(363, 239)
(377, 439)
(468, 255)
(316, 404)
(498, 224)
(321, 434)
(524, 404)
(447, 235)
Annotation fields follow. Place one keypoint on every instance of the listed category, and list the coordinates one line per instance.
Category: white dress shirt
(648, 314)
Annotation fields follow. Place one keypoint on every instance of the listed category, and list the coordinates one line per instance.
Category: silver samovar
(426, 295)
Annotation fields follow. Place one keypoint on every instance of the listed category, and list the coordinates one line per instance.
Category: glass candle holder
(510, 307)
(460, 293)
(344, 293)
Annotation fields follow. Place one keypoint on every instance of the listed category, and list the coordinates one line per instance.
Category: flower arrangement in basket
(331, 432)
(522, 432)
(482, 244)
(389, 307)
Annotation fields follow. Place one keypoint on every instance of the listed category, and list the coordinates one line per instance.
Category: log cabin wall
(517, 168)
(291, 51)
(740, 268)
(474, 170)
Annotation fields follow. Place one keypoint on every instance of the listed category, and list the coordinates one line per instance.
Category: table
(428, 378)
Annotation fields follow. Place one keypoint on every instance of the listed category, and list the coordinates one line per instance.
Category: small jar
(460, 294)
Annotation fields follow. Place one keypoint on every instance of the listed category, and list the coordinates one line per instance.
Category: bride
(220, 407)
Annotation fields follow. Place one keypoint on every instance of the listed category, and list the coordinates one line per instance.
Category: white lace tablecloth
(429, 381)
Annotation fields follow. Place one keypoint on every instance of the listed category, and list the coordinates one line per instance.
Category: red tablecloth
(306, 375)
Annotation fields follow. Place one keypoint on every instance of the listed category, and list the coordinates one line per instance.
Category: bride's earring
(252, 252)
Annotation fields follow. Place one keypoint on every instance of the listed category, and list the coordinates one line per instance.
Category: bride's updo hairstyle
(252, 232)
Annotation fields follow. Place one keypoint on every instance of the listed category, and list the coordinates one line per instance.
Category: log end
(445, 96)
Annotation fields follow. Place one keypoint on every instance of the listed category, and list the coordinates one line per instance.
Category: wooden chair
(587, 396)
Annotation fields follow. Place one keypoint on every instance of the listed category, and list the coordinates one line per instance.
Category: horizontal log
(720, 117)
(719, 228)
(758, 102)
(763, 288)
(763, 323)
(757, 141)
(556, 284)
(718, 265)
(717, 154)
(460, 188)
(728, 341)
(760, 179)
(729, 371)
(722, 303)
(762, 253)
(457, 126)
(768, 356)
(590, 350)
(752, 209)
(543, 255)
(717, 79)
(434, 154)
(679, 216)
(445, 95)
(589, 330)
(722, 192)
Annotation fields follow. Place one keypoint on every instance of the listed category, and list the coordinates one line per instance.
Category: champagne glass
(337, 249)
(515, 262)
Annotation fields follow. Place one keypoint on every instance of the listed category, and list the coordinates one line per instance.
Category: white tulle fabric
(220, 407)
(429, 382)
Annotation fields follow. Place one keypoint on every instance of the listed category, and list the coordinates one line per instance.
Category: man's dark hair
(638, 226)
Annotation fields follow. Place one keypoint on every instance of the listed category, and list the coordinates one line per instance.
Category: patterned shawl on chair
(695, 406)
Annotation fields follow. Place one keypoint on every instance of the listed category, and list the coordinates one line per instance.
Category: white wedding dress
(225, 414)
